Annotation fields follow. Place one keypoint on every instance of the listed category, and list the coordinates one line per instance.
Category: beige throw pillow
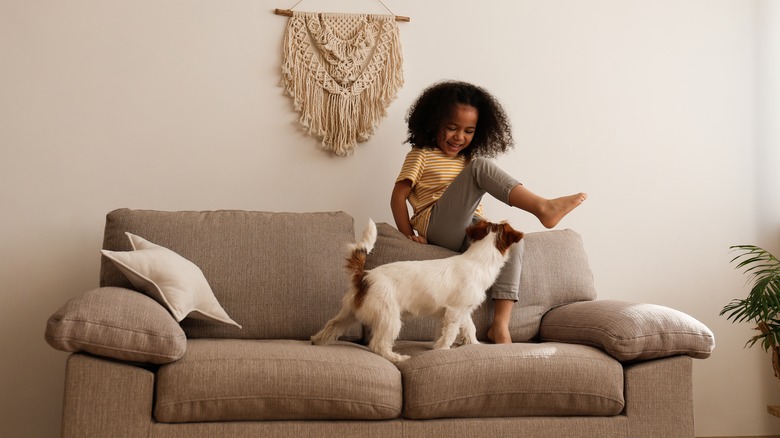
(175, 282)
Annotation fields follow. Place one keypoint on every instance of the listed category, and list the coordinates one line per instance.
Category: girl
(453, 128)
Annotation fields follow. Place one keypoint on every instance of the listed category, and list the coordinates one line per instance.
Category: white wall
(768, 132)
(659, 109)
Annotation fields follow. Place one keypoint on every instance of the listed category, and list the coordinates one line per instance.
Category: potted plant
(762, 305)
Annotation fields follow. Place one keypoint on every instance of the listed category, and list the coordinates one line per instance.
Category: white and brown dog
(449, 288)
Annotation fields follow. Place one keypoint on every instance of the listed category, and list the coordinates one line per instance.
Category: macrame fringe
(341, 86)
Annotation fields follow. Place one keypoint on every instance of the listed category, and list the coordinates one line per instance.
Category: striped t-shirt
(430, 171)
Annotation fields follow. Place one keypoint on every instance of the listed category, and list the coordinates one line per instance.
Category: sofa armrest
(106, 398)
(117, 323)
(628, 331)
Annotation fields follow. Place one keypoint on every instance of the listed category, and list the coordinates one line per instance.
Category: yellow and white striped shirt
(430, 171)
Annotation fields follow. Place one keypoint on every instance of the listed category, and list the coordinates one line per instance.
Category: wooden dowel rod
(289, 13)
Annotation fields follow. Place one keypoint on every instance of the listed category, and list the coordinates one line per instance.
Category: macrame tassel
(342, 71)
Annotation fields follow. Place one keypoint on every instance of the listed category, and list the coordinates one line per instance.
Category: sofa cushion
(629, 331)
(510, 380)
(267, 270)
(117, 323)
(555, 271)
(173, 281)
(231, 380)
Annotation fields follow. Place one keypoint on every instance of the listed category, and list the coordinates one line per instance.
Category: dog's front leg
(450, 324)
(468, 332)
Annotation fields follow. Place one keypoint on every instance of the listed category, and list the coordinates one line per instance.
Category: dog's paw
(399, 358)
(467, 341)
(440, 346)
(319, 340)
(394, 357)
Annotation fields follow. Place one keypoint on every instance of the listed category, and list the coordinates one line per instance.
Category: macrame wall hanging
(342, 72)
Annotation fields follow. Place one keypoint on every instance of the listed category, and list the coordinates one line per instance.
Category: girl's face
(458, 130)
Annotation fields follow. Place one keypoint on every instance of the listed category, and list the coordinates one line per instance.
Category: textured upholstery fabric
(556, 271)
(523, 427)
(117, 323)
(285, 429)
(106, 398)
(267, 270)
(227, 380)
(659, 397)
(282, 291)
(629, 331)
(512, 381)
(546, 427)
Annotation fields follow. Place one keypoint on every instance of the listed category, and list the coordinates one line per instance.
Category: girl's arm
(401, 192)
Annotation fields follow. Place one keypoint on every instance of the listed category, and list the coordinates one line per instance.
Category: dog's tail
(356, 261)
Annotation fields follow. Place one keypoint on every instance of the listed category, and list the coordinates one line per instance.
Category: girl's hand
(418, 239)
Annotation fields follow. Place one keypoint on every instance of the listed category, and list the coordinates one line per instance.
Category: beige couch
(579, 367)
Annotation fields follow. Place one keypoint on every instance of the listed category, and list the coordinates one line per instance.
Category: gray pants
(454, 212)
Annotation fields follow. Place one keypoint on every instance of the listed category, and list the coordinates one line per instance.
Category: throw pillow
(175, 282)
(117, 323)
(628, 331)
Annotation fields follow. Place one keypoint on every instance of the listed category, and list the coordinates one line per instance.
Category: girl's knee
(480, 163)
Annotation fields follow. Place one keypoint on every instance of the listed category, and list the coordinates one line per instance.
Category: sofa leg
(105, 398)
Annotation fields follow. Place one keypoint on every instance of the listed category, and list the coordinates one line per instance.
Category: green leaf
(762, 303)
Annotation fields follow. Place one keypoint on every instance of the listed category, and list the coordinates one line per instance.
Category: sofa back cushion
(555, 271)
(279, 275)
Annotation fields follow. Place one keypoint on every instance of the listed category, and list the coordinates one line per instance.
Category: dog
(450, 289)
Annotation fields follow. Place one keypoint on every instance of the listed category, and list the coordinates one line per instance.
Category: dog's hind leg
(335, 327)
(383, 335)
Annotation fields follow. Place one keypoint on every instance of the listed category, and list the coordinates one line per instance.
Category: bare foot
(499, 334)
(555, 209)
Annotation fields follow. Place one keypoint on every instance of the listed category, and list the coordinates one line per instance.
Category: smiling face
(458, 130)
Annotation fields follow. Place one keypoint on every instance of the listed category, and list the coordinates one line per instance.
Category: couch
(200, 326)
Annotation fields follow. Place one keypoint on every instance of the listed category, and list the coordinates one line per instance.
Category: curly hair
(434, 106)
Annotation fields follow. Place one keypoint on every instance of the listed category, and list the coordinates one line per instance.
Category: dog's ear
(478, 231)
(512, 235)
(508, 236)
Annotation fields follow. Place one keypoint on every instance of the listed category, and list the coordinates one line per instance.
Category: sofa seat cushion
(514, 380)
(229, 380)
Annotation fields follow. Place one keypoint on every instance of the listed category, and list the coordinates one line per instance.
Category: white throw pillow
(175, 282)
